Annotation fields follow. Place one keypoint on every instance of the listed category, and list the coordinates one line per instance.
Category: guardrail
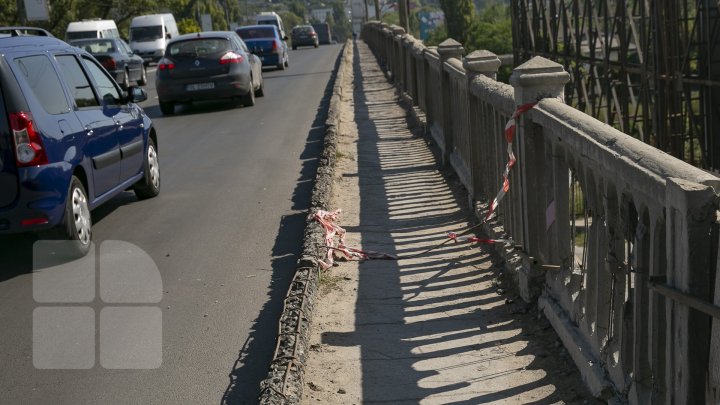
(619, 240)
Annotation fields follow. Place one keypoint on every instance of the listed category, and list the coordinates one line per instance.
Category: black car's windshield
(199, 47)
(254, 33)
(97, 46)
(146, 34)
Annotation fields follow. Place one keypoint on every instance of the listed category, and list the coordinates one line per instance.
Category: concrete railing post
(691, 214)
(478, 63)
(397, 39)
(448, 49)
(533, 81)
(430, 98)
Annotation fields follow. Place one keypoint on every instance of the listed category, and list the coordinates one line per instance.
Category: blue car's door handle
(90, 131)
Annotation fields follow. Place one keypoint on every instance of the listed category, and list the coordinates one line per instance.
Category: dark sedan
(304, 35)
(117, 57)
(206, 66)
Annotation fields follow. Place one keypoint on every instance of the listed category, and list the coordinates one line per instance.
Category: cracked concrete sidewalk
(438, 328)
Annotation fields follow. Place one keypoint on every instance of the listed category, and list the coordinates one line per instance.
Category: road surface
(225, 234)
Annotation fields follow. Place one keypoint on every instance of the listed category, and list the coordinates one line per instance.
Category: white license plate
(200, 86)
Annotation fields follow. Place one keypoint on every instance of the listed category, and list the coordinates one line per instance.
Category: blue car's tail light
(29, 149)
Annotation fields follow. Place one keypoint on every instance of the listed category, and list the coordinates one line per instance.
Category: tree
(188, 25)
(459, 16)
(491, 30)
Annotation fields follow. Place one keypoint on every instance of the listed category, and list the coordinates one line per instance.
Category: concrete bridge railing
(619, 240)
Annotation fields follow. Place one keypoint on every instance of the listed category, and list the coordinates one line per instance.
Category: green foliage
(342, 27)
(298, 8)
(188, 26)
(490, 30)
(436, 36)
(290, 20)
(391, 18)
(458, 18)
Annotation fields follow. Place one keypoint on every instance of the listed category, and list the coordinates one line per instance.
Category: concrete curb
(284, 383)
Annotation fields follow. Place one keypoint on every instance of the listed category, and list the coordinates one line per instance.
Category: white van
(95, 28)
(149, 35)
(271, 18)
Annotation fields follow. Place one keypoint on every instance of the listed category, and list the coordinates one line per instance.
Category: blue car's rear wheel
(149, 186)
(77, 226)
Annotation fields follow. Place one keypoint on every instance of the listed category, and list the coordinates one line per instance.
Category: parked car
(323, 32)
(70, 139)
(304, 35)
(117, 57)
(205, 66)
(266, 42)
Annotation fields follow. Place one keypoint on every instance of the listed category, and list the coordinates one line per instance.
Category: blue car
(267, 43)
(70, 138)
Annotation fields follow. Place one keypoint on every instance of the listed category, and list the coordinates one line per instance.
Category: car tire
(143, 77)
(77, 224)
(149, 185)
(167, 107)
(281, 66)
(260, 91)
(126, 80)
(248, 100)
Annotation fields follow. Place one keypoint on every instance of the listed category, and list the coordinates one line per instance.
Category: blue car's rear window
(255, 33)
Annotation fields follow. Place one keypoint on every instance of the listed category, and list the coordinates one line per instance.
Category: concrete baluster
(447, 49)
(534, 80)
(478, 63)
(691, 213)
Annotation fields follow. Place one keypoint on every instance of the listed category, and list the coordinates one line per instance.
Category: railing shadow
(422, 332)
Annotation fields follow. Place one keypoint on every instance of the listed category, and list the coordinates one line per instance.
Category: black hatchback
(304, 35)
(207, 66)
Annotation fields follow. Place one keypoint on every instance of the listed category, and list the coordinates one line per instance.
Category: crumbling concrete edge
(285, 381)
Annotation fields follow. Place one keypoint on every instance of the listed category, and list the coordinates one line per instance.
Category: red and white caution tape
(472, 239)
(509, 137)
(327, 219)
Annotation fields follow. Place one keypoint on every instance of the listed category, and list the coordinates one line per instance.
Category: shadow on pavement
(422, 333)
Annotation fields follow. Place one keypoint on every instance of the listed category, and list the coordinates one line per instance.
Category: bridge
(615, 240)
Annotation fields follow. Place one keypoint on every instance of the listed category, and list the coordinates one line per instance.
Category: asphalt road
(225, 234)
